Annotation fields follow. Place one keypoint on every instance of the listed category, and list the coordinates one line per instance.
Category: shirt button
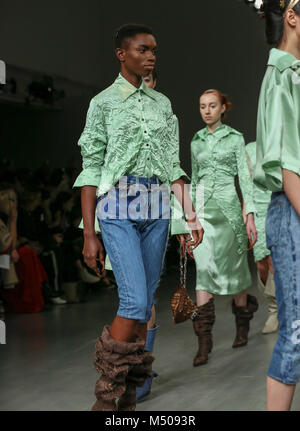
(147, 145)
(148, 158)
(139, 100)
(145, 131)
(143, 119)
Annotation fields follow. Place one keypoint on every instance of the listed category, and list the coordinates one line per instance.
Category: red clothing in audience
(27, 296)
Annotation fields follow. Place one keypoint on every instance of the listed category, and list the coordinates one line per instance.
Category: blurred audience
(40, 242)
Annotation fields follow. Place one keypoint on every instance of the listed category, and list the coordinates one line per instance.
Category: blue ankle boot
(143, 391)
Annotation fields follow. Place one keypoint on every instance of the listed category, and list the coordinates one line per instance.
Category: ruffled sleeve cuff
(250, 208)
(88, 177)
(178, 173)
(179, 226)
(178, 223)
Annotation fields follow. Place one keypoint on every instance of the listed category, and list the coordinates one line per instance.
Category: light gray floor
(47, 363)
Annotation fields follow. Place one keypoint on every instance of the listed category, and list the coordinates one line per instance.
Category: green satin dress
(261, 200)
(221, 258)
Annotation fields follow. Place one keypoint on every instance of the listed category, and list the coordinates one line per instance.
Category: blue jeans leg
(154, 239)
(136, 250)
(122, 240)
(283, 240)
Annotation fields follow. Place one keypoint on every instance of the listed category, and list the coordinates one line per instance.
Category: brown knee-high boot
(203, 326)
(136, 377)
(114, 359)
(243, 315)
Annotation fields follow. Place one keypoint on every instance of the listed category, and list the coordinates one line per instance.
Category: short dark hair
(130, 30)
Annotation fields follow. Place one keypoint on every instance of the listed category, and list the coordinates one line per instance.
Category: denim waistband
(132, 179)
(278, 195)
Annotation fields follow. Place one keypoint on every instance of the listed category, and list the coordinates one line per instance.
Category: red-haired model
(218, 155)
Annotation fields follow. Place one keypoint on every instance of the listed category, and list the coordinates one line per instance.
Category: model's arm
(181, 192)
(291, 186)
(246, 185)
(92, 248)
(93, 145)
(183, 196)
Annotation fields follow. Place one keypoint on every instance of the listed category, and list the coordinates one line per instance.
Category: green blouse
(216, 159)
(129, 130)
(278, 122)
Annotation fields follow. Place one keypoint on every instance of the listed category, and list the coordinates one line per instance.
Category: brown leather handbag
(183, 308)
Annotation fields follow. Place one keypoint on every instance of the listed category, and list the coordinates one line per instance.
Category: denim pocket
(273, 223)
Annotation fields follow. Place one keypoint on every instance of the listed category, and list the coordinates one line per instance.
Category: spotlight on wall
(255, 3)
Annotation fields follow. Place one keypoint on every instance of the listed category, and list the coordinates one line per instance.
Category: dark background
(202, 44)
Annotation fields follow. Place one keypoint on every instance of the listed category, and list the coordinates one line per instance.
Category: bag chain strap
(183, 261)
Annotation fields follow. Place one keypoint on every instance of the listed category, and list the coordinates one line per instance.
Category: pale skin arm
(185, 201)
(251, 229)
(92, 248)
(250, 225)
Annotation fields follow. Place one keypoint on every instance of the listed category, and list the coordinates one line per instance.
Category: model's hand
(194, 240)
(93, 253)
(197, 232)
(251, 229)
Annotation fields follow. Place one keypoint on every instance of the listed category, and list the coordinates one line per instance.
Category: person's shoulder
(251, 146)
(199, 135)
(232, 131)
(160, 97)
(276, 80)
(105, 95)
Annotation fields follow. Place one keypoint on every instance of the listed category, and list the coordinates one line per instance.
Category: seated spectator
(26, 295)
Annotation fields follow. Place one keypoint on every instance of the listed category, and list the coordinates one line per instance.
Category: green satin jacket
(261, 197)
(278, 121)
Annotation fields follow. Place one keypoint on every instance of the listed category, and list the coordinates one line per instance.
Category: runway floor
(47, 363)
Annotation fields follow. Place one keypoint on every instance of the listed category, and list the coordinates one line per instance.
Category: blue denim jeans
(283, 240)
(135, 235)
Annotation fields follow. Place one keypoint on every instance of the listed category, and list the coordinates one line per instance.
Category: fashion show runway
(47, 363)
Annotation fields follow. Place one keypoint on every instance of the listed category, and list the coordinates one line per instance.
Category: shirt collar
(126, 89)
(281, 59)
(221, 131)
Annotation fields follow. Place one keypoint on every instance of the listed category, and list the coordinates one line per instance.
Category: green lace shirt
(129, 131)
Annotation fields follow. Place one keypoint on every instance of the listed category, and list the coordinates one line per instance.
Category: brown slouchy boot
(243, 315)
(203, 326)
(114, 359)
(136, 377)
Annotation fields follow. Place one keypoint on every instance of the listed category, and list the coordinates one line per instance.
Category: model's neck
(135, 80)
(214, 126)
(290, 45)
